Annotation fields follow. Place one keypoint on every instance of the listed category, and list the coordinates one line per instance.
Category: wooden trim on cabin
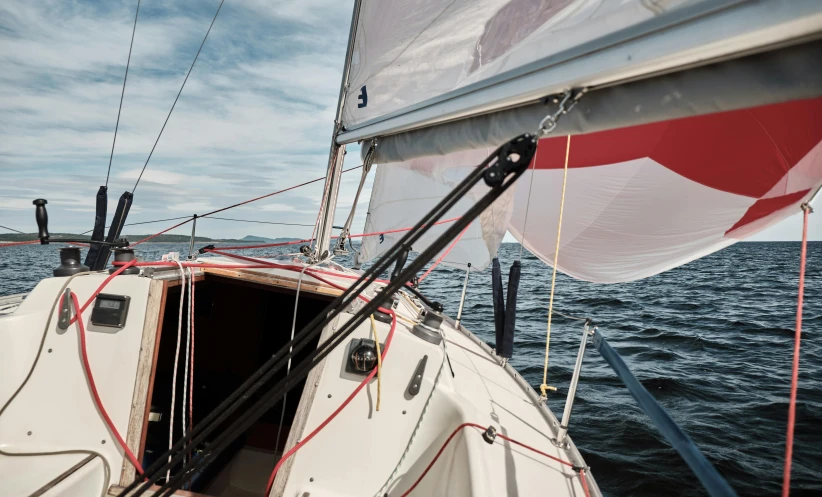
(144, 382)
(177, 282)
(275, 280)
(303, 409)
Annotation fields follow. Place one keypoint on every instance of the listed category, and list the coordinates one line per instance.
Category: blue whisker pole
(707, 474)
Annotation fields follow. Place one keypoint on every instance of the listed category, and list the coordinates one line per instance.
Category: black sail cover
(506, 348)
(505, 308)
(99, 226)
(499, 302)
(117, 222)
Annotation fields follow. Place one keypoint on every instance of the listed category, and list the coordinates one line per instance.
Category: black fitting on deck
(490, 435)
(205, 249)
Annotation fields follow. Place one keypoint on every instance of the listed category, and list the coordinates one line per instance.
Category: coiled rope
(545, 387)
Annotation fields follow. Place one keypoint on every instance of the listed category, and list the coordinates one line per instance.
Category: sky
(256, 114)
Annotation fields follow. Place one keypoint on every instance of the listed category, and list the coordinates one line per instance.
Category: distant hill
(262, 239)
(55, 237)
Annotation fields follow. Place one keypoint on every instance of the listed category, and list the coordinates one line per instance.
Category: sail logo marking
(382, 238)
(363, 98)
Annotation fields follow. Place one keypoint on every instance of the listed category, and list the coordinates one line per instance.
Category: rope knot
(544, 389)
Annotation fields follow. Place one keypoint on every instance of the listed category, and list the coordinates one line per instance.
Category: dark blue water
(712, 340)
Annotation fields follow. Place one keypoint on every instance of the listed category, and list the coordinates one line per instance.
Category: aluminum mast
(336, 155)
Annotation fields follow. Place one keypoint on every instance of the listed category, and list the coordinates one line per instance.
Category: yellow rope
(545, 387)
(407, 321)
(379, 360)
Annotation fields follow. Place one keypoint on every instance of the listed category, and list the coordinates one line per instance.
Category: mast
(336, 155)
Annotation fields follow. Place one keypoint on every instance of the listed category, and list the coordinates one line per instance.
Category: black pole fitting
(205, 249)
(42, 218)
(490, 435)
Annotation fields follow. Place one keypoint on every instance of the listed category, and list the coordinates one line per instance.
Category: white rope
(176, 361)
(188, 350)
(288, 367)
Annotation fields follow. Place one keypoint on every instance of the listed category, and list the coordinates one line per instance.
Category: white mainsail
(417, 64)
(409, 52)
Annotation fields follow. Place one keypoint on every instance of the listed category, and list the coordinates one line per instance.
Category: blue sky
(255, 116)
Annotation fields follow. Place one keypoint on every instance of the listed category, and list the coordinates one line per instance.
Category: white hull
(361, 452)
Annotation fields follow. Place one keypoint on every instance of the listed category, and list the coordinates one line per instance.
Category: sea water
(711, 340)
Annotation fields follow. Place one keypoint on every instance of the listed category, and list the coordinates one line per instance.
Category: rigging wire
(177, 97)
(259, 222)
(145, 222)
(11, 229)
(122, 93)
(190, 218)
(528, 203)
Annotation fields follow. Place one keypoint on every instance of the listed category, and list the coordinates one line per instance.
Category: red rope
(786, 478)
(375, 233)
(11, 244)
(191, 373)
(273, 193)
(94, 393)
(161, 232)
(31, 242)
(500, 435)
(296, 242)
(437, 263)
(100, 288)
(338, 410)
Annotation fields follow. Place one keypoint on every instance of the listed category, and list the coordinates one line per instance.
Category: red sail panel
(639, 200)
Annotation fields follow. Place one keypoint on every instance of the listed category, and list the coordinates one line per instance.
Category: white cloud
(278, 208)
(154, 176)
(255, 116)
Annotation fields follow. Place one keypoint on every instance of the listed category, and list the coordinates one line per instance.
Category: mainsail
(688, 139)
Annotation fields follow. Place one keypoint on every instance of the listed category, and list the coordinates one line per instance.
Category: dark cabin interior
(237, 326)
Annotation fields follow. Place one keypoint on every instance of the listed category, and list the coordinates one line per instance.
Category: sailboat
(614, 139)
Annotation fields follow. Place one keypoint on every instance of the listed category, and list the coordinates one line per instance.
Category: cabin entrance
(238, 325)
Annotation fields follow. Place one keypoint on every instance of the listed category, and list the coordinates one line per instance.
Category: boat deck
(385, 452)
(365, 450)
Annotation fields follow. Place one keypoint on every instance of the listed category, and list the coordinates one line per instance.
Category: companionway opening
(238, 325)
